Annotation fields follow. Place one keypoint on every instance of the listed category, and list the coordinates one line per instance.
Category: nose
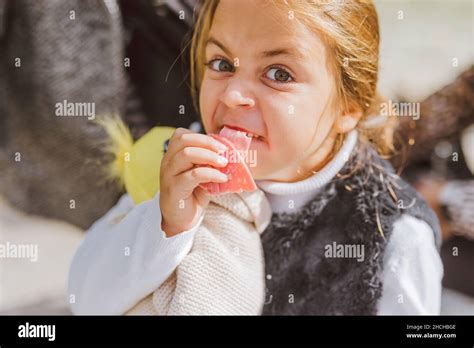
(234, 99)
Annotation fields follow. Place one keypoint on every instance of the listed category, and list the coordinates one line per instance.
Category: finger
(191, 156)
(180, 131)
(189, 180)
(187, 139)
(174, 138)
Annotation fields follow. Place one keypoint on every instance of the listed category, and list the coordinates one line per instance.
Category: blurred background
(129, 59)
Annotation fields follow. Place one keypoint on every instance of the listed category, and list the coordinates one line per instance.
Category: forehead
(261, 26)
(263, 15)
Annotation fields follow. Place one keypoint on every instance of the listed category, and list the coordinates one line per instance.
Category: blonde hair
(351, 32)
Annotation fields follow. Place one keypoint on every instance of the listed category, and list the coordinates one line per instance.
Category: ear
(348, 120)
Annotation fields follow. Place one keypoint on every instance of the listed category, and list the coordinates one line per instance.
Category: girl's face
(268, 75)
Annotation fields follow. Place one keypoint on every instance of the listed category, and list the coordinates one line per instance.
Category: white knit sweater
(224, 272)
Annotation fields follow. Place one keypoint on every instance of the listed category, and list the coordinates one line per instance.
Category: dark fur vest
(311, 262)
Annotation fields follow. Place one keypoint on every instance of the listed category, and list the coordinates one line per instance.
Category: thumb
(202, 196)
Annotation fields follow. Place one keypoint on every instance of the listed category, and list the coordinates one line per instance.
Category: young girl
(347, 235)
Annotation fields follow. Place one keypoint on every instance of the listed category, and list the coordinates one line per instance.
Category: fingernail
(221, 147)
(222, 160)
(224, 177)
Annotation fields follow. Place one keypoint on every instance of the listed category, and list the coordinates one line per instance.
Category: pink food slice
(240, 178)
(240, 140)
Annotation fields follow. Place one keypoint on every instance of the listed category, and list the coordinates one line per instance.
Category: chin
(256, 173)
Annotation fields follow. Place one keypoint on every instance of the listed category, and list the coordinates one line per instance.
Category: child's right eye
(220, 65)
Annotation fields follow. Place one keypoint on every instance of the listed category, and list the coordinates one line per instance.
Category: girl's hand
(183, 168)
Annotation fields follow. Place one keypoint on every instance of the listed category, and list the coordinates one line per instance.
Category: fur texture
(357, 208)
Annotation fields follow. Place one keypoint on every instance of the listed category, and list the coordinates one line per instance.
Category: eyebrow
(216, 42)
(282, 52)
(292, 53)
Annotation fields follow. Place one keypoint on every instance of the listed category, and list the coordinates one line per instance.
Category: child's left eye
(279, 75)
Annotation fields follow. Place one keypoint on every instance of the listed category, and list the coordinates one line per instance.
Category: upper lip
(242, 129)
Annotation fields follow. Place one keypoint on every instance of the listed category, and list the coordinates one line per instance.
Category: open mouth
(247, 133)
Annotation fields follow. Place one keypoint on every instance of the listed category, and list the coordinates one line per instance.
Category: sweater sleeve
(412, 270)
(124, 257)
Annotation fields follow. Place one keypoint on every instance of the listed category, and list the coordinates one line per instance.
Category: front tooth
(252, 135)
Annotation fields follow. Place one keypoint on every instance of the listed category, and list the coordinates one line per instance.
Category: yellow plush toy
(136, 165)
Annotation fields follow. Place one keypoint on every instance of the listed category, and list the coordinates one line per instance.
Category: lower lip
(257, 143)
(256, 153)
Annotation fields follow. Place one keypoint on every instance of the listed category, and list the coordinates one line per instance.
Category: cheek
(291, 124)
(208, 101)
(304, 118)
